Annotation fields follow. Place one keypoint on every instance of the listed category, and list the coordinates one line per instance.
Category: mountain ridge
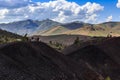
(48, 27)
(28, 26)
(103, 29)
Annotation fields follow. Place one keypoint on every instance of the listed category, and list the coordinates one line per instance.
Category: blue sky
(91, 11)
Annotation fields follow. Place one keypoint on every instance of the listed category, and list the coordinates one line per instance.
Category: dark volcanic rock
(111, 47)
(104, 57)
(37, 61)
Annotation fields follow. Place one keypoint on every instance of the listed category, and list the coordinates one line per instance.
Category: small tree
(109, 35)
(37, 39)
(77, 41)
(6, 39)
(50, 42)
(60, 48)
(57, 44)
(25, 38)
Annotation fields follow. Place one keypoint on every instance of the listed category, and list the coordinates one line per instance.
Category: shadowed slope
(112, 47)
(37, 61)
(63, 39)
(104, 57)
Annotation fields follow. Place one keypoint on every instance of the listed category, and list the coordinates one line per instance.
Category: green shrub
(25, 38)
(108, 78)
(77, 41)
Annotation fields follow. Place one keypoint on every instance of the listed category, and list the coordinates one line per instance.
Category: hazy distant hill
(20, 27)
(80, 28)
(28, 26)
(46, 24)
(75, 25)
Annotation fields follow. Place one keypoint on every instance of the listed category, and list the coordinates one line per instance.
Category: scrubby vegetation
(77, 41)
(58, 46)
(94, 40)
(6, 37)
(108, 78)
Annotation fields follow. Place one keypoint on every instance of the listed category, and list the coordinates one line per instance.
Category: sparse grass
(56, 45)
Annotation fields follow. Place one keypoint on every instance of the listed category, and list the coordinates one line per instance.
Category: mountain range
(28, 26)
(49, 27)
(80, 28)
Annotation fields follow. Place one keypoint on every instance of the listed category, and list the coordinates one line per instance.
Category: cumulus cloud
(58, 10)
(2, 13)
(109, 18)
(118, 4)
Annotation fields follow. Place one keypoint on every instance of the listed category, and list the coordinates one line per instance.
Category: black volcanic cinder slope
(112, 47)
(104, 57)
(37, 61)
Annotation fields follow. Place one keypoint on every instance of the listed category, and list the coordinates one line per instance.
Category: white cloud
(58, 10)
(118, 4)
(2, 13)
(109, 18)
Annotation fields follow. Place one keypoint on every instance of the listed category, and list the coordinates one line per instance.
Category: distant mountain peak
(47, 19)
(77, 22)
(29, 20)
